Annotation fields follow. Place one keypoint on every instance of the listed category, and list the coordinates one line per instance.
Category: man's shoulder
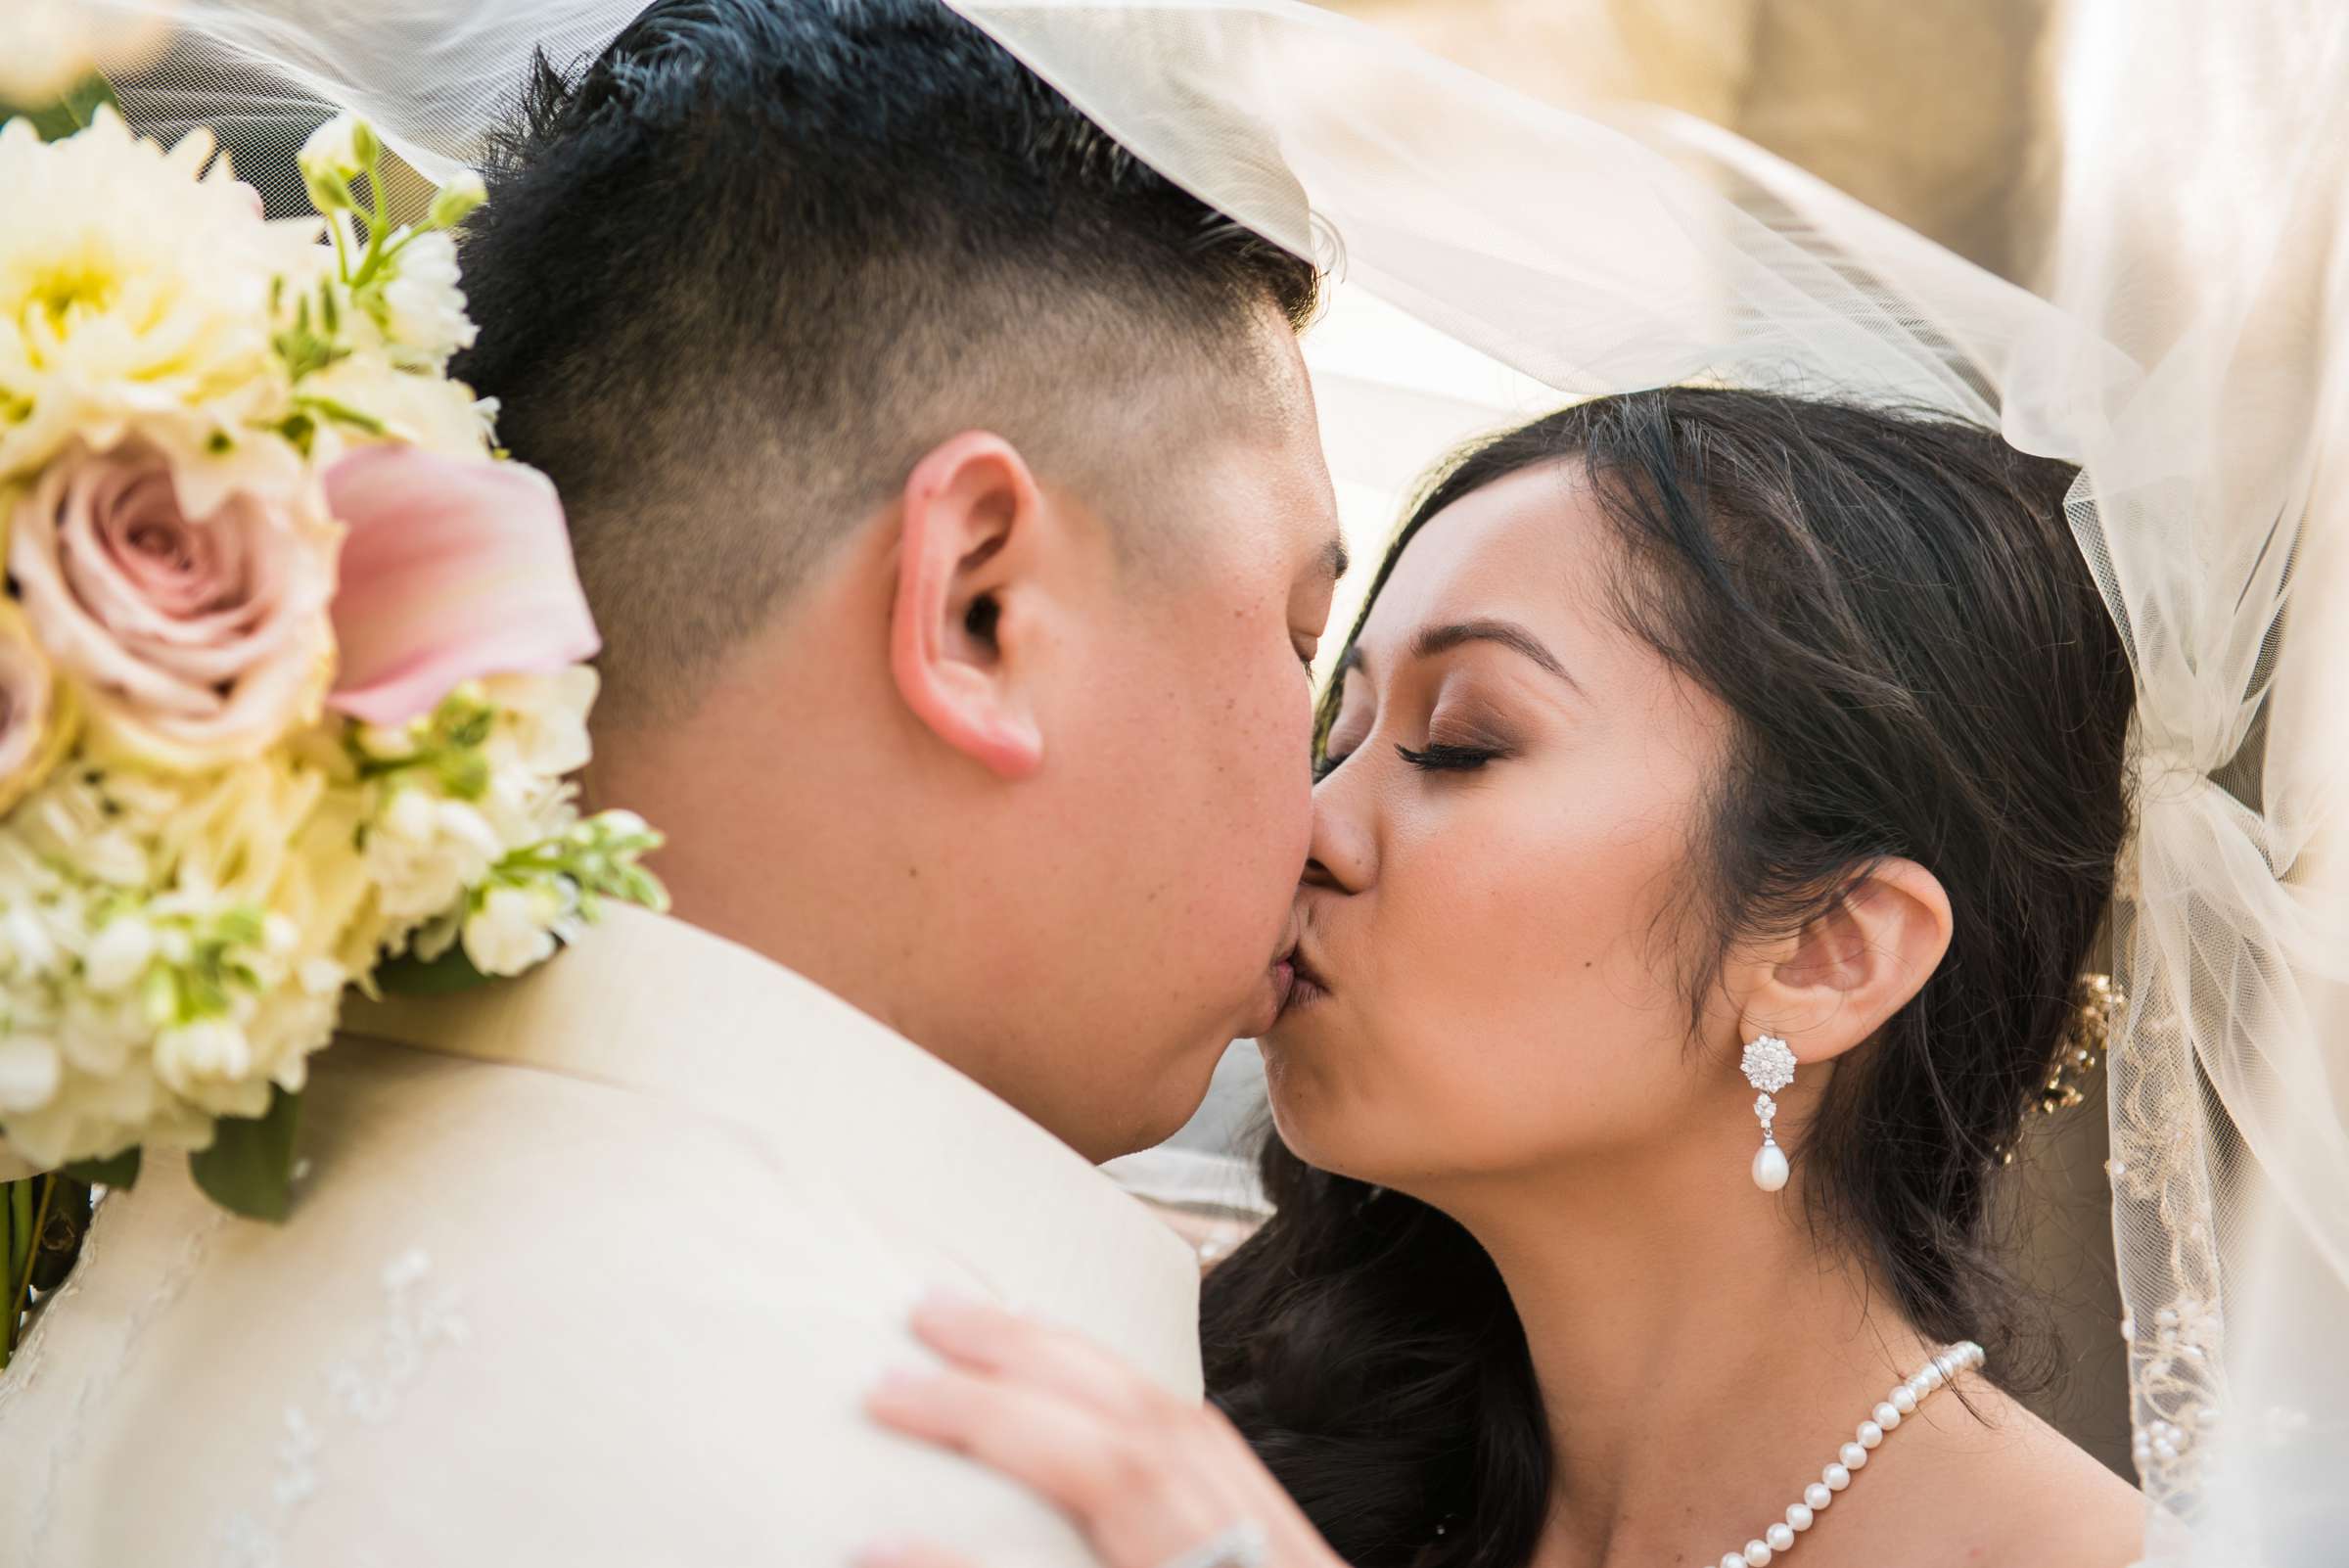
(551, 1320)
(528, 1307)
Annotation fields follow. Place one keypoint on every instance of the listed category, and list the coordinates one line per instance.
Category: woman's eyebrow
(1433, 641)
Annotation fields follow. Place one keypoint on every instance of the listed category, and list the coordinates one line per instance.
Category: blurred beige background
(1932, 111)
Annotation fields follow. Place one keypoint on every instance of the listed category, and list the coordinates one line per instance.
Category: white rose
(119, 954)
(548, 718)
(28, 1073)
(208, 1050)
(509, 933)
(426, 851)
(427, 309)
(290, 1024)
(99, 1035)
(26, 946)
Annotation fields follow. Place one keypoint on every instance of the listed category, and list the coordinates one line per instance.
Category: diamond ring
(1244, 1546)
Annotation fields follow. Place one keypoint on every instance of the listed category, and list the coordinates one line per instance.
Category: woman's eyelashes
(1439, 756)
(1436, 756)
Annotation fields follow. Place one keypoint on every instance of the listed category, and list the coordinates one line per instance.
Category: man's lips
(1303, 982)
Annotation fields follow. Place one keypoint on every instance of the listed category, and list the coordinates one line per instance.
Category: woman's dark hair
(1917, 664)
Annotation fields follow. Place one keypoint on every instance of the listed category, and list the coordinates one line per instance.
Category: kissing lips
(1278, 979)
(1305, 983)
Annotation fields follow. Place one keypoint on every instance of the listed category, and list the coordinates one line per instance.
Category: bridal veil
(2190, 350)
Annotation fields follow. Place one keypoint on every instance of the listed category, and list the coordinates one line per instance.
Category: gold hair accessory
(2097, 1005)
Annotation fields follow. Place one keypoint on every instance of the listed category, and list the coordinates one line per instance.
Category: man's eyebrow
(1433, 641)
(1334, 558)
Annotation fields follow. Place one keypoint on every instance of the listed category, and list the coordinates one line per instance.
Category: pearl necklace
(1899, 1405)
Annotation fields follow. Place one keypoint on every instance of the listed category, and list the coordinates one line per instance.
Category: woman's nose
(1342, 855)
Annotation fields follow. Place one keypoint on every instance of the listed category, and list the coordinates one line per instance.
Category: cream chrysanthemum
(136, 290)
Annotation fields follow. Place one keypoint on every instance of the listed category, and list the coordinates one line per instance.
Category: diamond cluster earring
(1768, 1066)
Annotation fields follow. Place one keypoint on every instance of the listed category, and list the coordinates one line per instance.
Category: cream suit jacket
(590, 1267)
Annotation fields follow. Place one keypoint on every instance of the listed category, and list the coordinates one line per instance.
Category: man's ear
(959, 625)
(1832, 985)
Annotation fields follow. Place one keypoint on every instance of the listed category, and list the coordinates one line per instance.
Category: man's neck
(749, 859)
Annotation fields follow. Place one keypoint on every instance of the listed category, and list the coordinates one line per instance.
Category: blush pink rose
(33, 723)
(453, 569)
(195, 640)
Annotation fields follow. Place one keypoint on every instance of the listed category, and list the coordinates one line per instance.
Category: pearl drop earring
(1768, 1066)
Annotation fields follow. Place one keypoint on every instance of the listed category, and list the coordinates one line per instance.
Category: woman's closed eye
(1439, 756)
(1436, 756)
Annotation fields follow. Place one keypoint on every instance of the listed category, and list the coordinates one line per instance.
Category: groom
(947, 489)
(948, 492)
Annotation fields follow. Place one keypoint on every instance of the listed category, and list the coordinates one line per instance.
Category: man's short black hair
(738, 273)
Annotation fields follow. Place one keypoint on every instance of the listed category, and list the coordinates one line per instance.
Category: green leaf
(357, 419)
(57, 120)
(19, 1235)
(121, 1172)
(472, 729)
(8, 1313)
(410, 976)
(249, 1167)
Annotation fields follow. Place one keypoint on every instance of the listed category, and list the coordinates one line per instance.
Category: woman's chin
(1307, 1105)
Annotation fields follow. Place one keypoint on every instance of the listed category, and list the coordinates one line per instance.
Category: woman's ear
(967, 547)
(1834, 983)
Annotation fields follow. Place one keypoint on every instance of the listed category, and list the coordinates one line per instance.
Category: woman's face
(1501, 857)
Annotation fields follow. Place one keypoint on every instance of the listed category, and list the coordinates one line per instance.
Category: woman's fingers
(1146, 1476)
(987, 1339)
(1134, 1490)
(911, 1554)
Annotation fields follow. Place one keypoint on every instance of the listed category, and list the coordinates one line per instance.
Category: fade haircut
(740, 272)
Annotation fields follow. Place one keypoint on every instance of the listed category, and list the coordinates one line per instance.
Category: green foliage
(410, 976)
(70, 114)
(122, 1171)
(249, 1167)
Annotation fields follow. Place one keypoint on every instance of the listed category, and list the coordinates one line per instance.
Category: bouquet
(292, 657)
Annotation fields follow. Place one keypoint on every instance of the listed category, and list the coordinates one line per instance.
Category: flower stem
(379, 223)
(26, 1221)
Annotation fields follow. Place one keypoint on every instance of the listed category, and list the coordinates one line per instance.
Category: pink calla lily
(453, 569)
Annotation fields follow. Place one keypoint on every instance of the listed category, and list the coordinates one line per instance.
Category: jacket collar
(850, 1111)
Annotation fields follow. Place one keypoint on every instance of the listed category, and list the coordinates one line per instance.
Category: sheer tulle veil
(1496, 252)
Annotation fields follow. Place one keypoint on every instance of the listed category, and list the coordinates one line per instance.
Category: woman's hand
(1152, 1480)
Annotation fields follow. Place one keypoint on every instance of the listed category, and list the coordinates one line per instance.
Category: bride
(1685, 731)
(1857, 718)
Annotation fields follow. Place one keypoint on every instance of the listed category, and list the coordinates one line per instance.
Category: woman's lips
(1305, 983)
